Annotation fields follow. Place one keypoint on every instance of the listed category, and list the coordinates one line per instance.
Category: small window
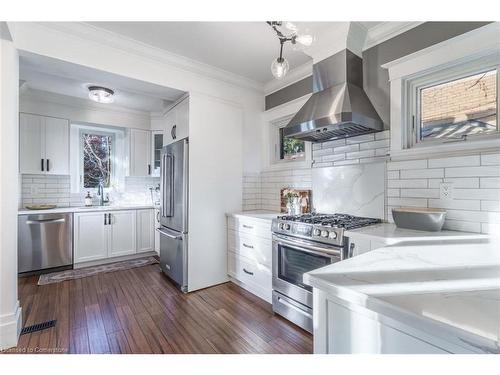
(291, 149)
(97, 154)
(459, 108)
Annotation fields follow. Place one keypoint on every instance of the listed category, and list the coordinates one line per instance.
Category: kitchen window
(286, 150)
(452, 105)
(97, 149)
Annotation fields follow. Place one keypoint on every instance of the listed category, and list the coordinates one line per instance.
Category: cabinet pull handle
(247, 226)
(109, 219)
(48, 168)
(247, 272)
(351, 250)
(174, 132)
(105, 217)
(149, 169)
(248, 246)
(42, 164)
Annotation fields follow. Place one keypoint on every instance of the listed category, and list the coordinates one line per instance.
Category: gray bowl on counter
(426, 219)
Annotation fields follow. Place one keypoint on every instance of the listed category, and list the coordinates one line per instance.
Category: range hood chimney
(339, 107)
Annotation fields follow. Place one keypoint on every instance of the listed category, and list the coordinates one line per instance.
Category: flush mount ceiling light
(280, 66)
(101, 94)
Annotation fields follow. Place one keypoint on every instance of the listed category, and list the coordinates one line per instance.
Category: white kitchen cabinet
(43, 145)
(90, 237)
(122, 233)
(140, 153)
(145, 230)
(177, 122)
(156, 146)
(361, 244)
(249, 260)
(108, 234)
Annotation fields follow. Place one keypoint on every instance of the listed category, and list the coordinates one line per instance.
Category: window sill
(446, 149)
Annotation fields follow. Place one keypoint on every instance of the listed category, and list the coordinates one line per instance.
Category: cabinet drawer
(252, 247)
(249, 272)
(250, 227)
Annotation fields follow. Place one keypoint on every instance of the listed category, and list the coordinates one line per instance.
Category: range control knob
(280, 226)
(324, 233)
(317, 232)
(287, 226)
(332, 235)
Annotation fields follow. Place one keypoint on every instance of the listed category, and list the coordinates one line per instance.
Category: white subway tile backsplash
(392, 175)
(344, 149)
(473, 171)
(490, 159)
(486, 194)
(422, 173)
(383, 143)
(420, 193)
(465, 226)
(490, 206)
(466, 182)
(490, 228)
(386, 134)
(346, 162)
(361, 138)
(421, 183)
(458, 204)
(393, 192)
(411, 202)
(410, 164)
(490, 182)
(458, 161)
(360, 154)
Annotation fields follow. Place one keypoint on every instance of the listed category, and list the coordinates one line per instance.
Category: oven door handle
(313, 249)
(303, 246)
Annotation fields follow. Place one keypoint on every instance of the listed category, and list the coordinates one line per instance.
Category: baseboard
(10, 328)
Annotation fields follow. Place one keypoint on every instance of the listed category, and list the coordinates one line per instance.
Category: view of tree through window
(96, 160)
(465, 106)
(291, 149)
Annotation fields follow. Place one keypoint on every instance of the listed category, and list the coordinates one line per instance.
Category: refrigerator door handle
(168, 185)
(169, 235)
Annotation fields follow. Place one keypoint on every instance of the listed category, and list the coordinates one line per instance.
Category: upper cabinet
(157, 145)
(140, 153)
(43, 145)
(177, 122)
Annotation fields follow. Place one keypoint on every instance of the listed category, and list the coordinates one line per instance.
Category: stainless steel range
(303, 243)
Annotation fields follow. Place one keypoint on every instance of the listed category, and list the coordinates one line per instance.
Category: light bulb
(305, 39)
(279, 67)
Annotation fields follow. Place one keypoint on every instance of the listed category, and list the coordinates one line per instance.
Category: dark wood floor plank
(141, 311)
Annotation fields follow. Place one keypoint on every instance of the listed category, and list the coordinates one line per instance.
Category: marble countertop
(261, 215)
(390, 234)
(56, 210)
(447, 288)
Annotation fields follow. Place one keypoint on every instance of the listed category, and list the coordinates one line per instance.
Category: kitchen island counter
(443, 293)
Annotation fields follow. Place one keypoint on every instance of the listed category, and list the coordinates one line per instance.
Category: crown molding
(108, 38)
(294, 75)
(385, 31)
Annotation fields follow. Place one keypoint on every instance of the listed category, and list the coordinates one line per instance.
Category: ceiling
(243, 48)
(55, 76)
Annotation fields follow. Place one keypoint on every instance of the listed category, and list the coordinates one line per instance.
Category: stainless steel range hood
(339, 107)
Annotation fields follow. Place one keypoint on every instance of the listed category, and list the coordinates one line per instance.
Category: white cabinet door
(31, 144)
(140, 152)
(56, 145)
(90, 237)
(182, 119)
(145, 230)
(156, 146)
(122, 233)
(169, 121)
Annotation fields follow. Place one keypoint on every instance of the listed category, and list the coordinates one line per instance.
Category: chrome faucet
(100, 193)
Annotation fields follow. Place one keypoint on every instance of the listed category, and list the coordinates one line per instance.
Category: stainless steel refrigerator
(174, 212)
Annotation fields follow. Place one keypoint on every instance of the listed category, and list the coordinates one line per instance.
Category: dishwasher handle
(47, 221)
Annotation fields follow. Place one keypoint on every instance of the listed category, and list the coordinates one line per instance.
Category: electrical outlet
(446, 191)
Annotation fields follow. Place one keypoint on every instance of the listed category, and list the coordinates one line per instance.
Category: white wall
(10, 312)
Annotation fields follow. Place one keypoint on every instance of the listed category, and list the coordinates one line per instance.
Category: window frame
(438, 76)
(81, 156)
(275, 127)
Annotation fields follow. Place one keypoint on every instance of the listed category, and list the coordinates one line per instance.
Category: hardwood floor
(140, 311)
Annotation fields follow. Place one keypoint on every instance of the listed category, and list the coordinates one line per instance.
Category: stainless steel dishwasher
(45, 241)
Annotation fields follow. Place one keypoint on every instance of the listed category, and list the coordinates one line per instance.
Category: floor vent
(38, 327)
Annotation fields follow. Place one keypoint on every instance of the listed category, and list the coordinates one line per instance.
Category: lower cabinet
(103, 235)
(157, 235)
